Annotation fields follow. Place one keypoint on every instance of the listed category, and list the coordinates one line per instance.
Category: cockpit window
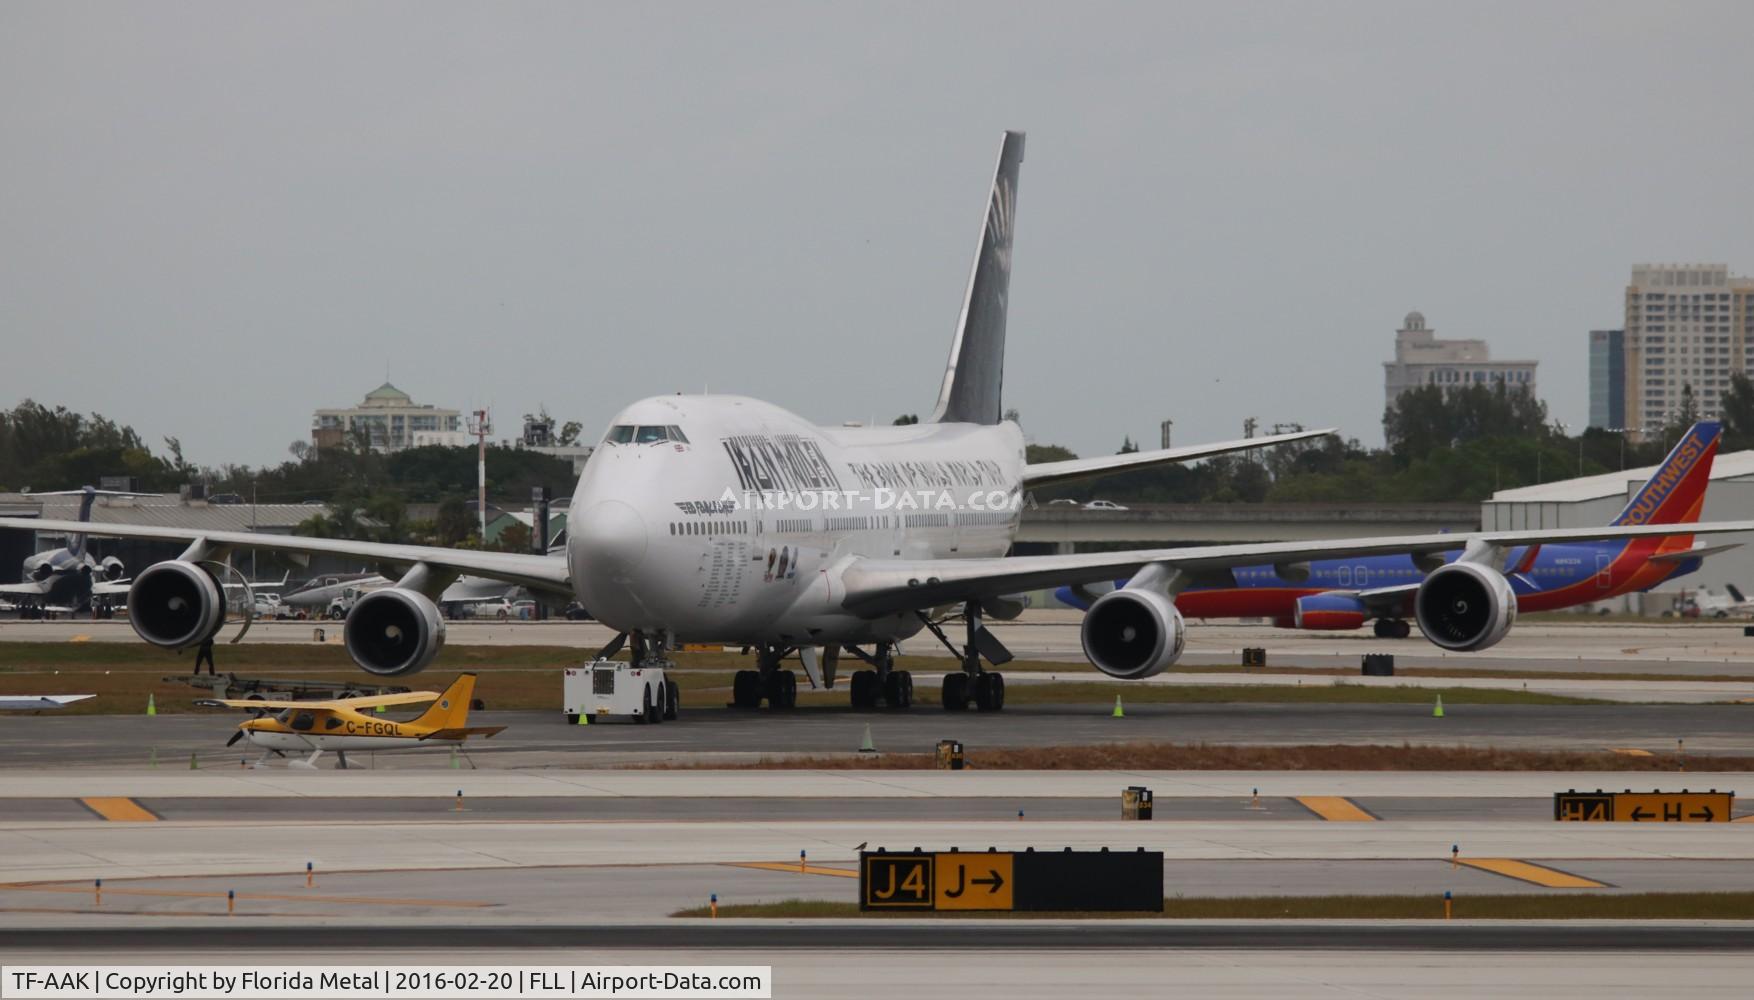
(303, 721)
(645, 434)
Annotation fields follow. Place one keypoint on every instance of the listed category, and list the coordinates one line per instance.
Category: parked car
(501, 609)
(524, 610)
(1103, 505)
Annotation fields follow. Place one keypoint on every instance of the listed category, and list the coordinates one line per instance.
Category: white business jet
(728, 519)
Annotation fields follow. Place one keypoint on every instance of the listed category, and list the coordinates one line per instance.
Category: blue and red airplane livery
(1340, 594)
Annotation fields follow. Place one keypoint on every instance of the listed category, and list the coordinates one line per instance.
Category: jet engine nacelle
(113, 568)
(42, 571)
(1133, 633)
(394, 631)
(176, 604)
(1465, 606)
(1328, 612)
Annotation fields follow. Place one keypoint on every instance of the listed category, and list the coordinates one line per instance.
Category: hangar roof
(167, 512)
(1730, 465)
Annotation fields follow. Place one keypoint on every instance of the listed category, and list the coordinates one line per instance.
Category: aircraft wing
(461, 732)
(28, 702)
(876, 587)
(110, 588)
(364, 701)
(1387, 602)
(547, 573)
(1053, 473)
(1696, 552)
(29, 588)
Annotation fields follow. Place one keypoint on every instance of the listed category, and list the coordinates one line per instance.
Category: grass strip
(1160, 756)
(1580, 905)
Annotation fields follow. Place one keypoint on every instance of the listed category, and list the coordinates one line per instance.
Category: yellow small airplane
(343, 723)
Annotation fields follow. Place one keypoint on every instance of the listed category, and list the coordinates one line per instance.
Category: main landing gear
(894, 688)
(779, 687)
(1393, 628)
(986, 689)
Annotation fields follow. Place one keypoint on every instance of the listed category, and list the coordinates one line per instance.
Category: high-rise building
(1422, 359)
(1686, 325)
(1608, 379)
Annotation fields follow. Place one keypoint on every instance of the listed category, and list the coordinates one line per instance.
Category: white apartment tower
(1686, 325)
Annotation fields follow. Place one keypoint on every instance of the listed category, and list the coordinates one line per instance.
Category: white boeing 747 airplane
(728, 519)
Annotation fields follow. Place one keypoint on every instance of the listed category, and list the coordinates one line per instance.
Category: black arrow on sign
(1704, 813)
(1638, 813)
(994, 880)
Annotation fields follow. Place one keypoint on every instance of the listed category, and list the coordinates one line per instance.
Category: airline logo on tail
(1672, 495)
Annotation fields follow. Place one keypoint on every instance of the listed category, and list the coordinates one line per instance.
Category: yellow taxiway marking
(284, 896)
(1523, 871)
(119, 809)
(1335, 808)
(1631, 751)
(80, 638)
(788, 866)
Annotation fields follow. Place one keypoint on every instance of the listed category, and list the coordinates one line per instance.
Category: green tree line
(1441, 444)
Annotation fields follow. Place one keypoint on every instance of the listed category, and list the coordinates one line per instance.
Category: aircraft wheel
(746, 689)
(864, 688)
(907, 689)
(983, 693)
(1384, 628)
(673, 693)
(894, 690)
(785, 690)
(955, 693)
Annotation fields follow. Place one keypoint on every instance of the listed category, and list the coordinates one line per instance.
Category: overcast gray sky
(216, 217)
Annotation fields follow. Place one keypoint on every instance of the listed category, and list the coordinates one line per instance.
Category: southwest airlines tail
(1675, 493)
(970, 393)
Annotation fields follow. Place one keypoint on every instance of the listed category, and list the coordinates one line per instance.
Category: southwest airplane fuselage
(1544, 578)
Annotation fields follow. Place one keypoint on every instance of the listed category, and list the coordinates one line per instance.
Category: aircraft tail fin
(1675, 493)
(451, 710)
(1735, 593)
(972, 379)
(76, 543)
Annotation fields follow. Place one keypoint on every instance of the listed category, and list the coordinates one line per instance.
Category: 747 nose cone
(611, 538)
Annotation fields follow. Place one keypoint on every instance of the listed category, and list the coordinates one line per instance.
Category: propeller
(235, 737)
